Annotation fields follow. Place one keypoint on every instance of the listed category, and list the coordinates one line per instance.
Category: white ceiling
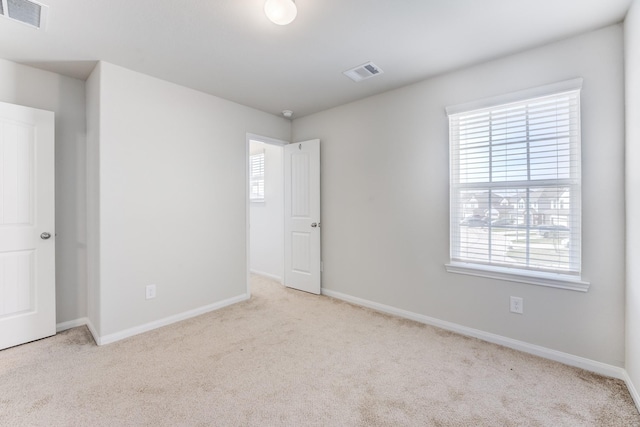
(228, 48)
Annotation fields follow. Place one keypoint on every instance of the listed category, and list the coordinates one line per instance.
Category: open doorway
(265, 207)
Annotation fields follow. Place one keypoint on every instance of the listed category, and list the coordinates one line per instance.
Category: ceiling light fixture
(281, 12)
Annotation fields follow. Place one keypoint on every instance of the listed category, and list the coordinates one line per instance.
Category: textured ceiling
(228, 48)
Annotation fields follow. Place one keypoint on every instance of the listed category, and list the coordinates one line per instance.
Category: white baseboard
(117, 336)
(632, 390)
(63, 326)
(82, 321)
(566, 358)
(547, 353)
(267, 275)
(93, 331)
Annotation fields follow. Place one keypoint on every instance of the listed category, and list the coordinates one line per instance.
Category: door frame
(271, 141)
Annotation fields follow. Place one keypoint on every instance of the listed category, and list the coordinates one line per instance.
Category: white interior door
(27, 247)
(302, 216)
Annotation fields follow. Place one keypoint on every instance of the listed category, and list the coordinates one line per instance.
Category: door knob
(45, 236)
(314, 225)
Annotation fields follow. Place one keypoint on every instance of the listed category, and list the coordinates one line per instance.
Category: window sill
(257, 201)
(533, 278)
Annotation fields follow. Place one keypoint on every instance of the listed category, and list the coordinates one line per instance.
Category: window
(517, 163)
(256, 174)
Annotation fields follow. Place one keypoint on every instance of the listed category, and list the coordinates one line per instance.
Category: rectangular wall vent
(363, 72)
(25, 11)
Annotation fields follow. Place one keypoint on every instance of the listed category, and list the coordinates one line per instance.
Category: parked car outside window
(503, 222)
(474, 221)
(553, 231)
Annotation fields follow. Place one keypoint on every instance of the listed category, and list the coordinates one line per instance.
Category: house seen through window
(515, 186)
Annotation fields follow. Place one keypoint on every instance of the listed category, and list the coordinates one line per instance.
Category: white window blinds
(256, 173)
(515, 185)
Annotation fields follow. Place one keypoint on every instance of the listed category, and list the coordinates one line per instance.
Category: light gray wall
(632, 55)
(23, 85)
(385, 200)
(267, 218)
(93, 199)
(172, 208)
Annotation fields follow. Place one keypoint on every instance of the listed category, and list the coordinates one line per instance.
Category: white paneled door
(302, 216)
(27, 247)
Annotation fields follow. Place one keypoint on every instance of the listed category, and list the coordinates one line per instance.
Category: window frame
(257, 178)
(570, 280)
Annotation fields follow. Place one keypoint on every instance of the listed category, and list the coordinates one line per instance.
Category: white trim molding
(267, 275)
(535, 92)
(632, 390)
(82, 321)
(93, 331)
(266, 140)
(117, 336)
(552, 280)
(547, 353)
(63, 326)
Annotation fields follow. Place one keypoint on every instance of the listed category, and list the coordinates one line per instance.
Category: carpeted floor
(286, 358)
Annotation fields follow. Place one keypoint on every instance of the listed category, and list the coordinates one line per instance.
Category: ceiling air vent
(25, 11)
(363, 72)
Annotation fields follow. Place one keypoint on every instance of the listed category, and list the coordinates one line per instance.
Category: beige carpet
(286, 358)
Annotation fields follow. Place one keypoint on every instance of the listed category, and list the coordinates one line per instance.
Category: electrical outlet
(151, 291)
(516, 305)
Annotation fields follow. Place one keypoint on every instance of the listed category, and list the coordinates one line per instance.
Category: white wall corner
(547, 353)
(117, 336)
